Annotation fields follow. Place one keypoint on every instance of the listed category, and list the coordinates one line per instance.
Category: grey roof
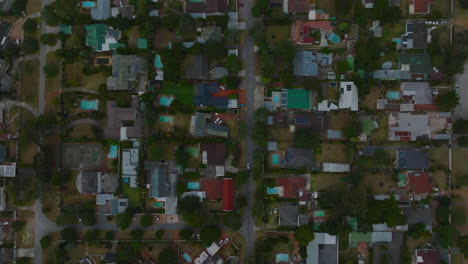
(413, 159)
(201, 126)
(305, 63)
(418, 215)
(102, 11)
(87, 182)
(127, 72)
(7, 255)
(289, 216)
(204, 96)
(118, 117)
(217, 73)
(3, 66)
(334, 134)
(162, 178)
(199, 69)
(6, 83)
(421, 91)
(415, 36)
(8, 170)
(108, 204)
(272, 145)
(393, 244)
(2, 153)
(323, 249)
(391, 75)
(296, 158)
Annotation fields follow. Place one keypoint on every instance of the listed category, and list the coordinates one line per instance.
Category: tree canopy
(168, 256)
(304, 234)
(210, 233)
(447, 101)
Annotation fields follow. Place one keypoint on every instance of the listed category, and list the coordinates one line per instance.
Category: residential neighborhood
(234, 131)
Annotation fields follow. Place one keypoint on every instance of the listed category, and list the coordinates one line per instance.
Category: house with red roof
(301, 31)
(427, 256)
(293, 187)
(220, 189)
(418, 185)
(419, 6)
(228, 194)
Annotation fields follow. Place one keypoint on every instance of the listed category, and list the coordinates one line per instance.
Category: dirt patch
(323, 181)
(379, 182)
(26, 236)
(16, 32)
(333, 153)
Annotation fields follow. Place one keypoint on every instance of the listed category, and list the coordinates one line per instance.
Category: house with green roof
(417, 64)
(66, 29)
(299, 99)
(102, 38)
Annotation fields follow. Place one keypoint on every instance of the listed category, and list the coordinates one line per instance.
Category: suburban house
(416, 36)
(416, 96)
(130, 164)
(213, 153)
(412, 159)
(94, 182)
(427, 256)
(302, 31)
(323, 249)
(418, 186)
(205, 95)
(297, 158)
(417, 64)
(108, 204)
(202, 9)
(162, 187)
(210, 34)
(8, 170)
(197, 67)
(129, 72)
(411, 127)
(415, 215)
(314, 121)
(335, 167)
(348, 96)
(228, 194)
(101, 10)
(292, 187)
(419, 6)
(223, 190)
(102, 38)
(123, 123)
(201, 125)
(306, 63)
(289, 215)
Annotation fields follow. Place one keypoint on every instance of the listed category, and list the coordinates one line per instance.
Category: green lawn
(133, 194)
(52, 84)
(277, 33)
(183, 91)
(29, 82)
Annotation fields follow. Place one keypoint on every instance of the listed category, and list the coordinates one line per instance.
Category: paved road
(10, 103)
(461, 111)
(249, 83)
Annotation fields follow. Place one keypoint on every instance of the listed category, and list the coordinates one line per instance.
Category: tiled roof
(228, 194)
(213, 189)
(420, 182)
(292, 186)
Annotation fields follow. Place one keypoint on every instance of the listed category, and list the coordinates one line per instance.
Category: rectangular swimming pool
(166, 100)
(393, 95)
(282, 257)
(272, 190)
(193, 185)
(89, 104)
(112, 152)
(275, 159)
(166, 119)
(88, 4)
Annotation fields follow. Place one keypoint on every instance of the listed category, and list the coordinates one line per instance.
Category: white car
(435, 69)
(247, 166)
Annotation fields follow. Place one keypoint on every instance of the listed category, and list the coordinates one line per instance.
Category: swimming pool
(166, 100)
(187, 257)
(276, 98)
(158, 204)
(280, 257)
(112, 152)
(126, 180)
(89, 104)
(392, 95)
(272, 190)
(275, 159)
(157, 62)
(166, 119)
(88, 4)
(193, 185)
(334, 38)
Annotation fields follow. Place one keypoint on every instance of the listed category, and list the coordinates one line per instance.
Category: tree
(30, 45)
(304, 234)
(49, 39)
(181, 155)
(51, 70)
(110, 235)
(232, 63)
(186, 233)
(146, 220)
(382, 158)
(460, 126)
(210, 233)
(30, 26)
(69, 234)
(126, 254)
(241, 178)
(214, 50)
(186, 25)
(463, 4)
(18, 225)
(463, 245)
(462, 141)
(354, 129)
(87, 216)
(137, 234)
(45, 242)
(446, 234)
(447, 101)
(168, 256)
(125, 219)
(91, 236)
(19, 6)
(232, 220)
(171, 22)
(160, 233)
(417, 230)
(305, 138)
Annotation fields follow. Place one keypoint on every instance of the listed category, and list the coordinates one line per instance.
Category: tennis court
(86, 156)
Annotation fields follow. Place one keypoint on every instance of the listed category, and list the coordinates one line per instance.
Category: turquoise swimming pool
(166, 119)
(166, 100)
(272, 190)
(157, 62)
(280, 257)
(334, 38)
(88, 4)
(158, 205)
(193, 185)
(89, 105)
(275, 159)
(187, 257)
(112, 152)
(393, 95)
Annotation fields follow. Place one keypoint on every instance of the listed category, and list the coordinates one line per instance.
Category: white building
(348, 96)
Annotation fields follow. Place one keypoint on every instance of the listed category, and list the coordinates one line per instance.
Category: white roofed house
(348, 96)
(130, 164)
(335, 167)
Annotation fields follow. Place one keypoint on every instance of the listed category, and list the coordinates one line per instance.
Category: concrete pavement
(461, 111)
